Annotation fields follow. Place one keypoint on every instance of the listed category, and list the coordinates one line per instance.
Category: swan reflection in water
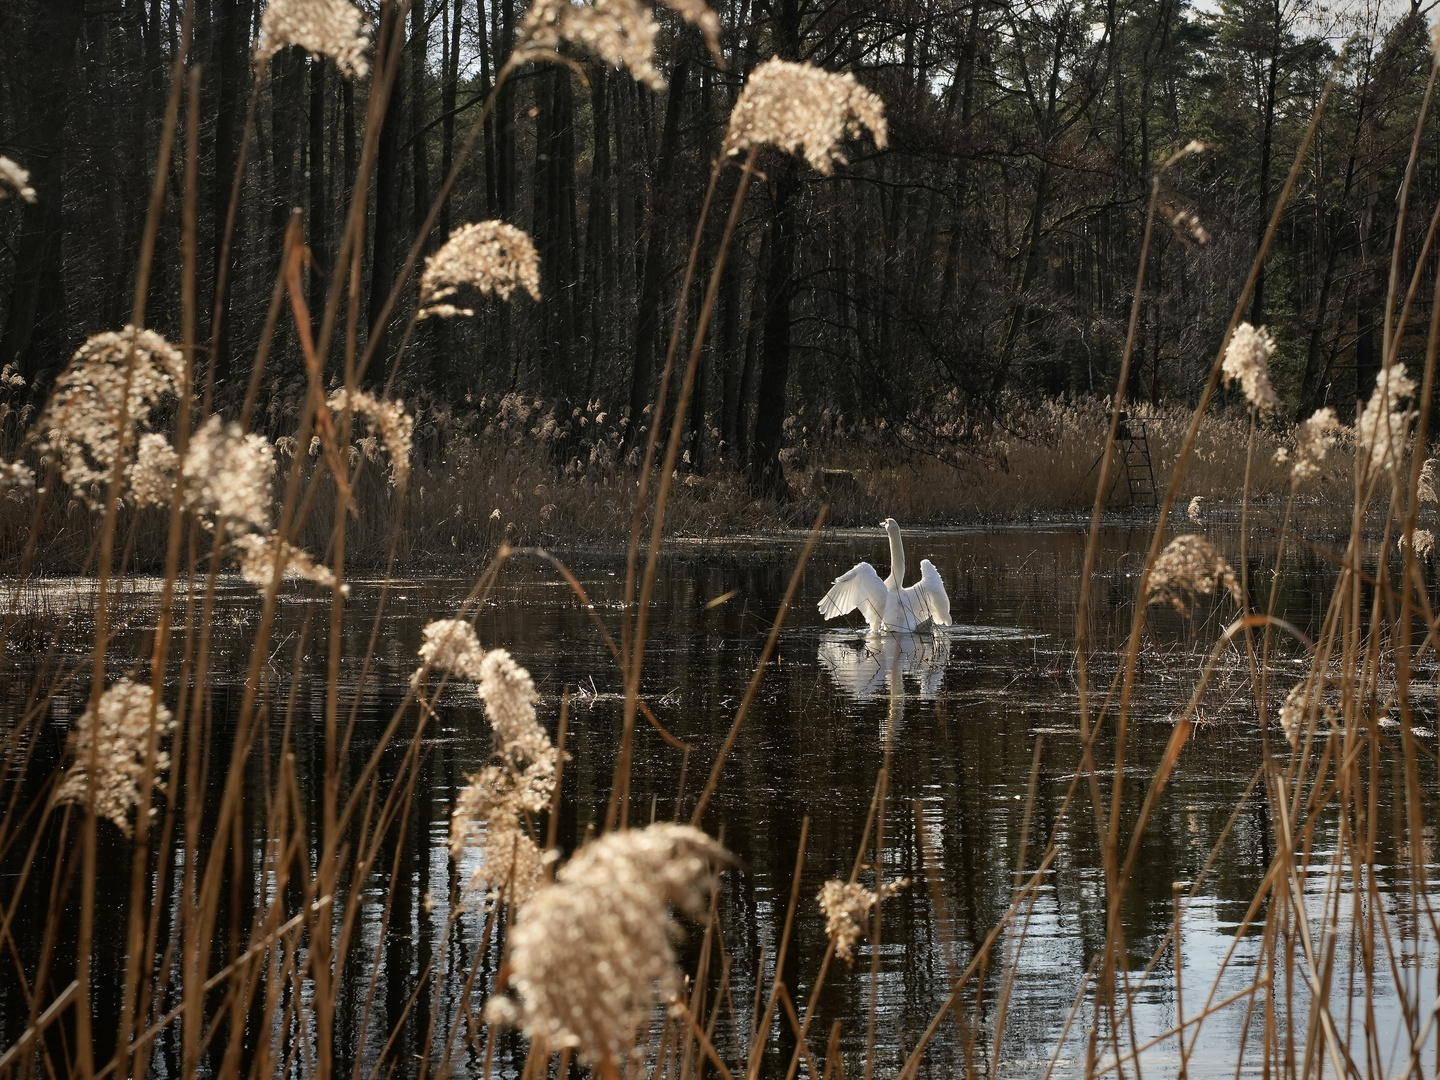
(864, 669)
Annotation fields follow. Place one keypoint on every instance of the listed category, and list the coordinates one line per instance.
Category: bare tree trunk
(766, 475)
(647, 316)
(34, 337)
(419, 150)
(318, 223)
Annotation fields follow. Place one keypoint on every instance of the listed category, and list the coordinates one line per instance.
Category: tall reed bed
(242, 959)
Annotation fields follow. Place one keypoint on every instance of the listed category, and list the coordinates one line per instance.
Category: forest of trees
(984, 259)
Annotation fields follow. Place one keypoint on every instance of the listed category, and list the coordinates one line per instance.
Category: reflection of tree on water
(864, 669)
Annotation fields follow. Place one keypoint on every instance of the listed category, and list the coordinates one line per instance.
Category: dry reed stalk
(1115, 887)
(762, 1028)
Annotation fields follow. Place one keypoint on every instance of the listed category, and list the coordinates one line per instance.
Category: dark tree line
(981, 261)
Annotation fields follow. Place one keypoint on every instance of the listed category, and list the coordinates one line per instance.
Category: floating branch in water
(803, 110)
(1189, 566)
(591, 954)
(333, 28)
(118, 746)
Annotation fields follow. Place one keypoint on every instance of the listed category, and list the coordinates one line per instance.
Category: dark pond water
(970, 712)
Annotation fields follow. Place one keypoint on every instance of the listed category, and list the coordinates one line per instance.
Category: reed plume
(487, 256)
(262, 562)
(494, 808)
(1247, 362)
(388, 420)
(1314, 439)
(333, 28)
(1385, 424)
(591, 954)
(90, 419)
(451, 646)
(117, 745)
(16, 179)
(846, 906)
(1189, 566)
(227, 474)
(803, 110)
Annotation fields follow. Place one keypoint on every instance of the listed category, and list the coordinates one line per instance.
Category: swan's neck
(897, 560)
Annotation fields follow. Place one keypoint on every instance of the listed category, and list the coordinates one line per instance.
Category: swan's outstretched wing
(927, 598)
(857, 589)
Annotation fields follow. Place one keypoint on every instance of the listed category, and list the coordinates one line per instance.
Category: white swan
(887, 605)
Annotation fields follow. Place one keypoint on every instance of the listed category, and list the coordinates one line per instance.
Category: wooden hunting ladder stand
(1139, 469)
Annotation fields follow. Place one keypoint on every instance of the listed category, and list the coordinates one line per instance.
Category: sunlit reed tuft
(227, 473)
(118, 746)
(1194, 513)
(16, 179)
(591, 955)
(260, 563)
(82, 421)
(333, 28)
(1189, 567)
(1314, 439)
(488, 256)
(502, 799)
(1292, 713)
(1385, 424)
(803, 110)
(391, 422)
(1424, 543)
(1247, 362)
(847, 906)
(451, 646)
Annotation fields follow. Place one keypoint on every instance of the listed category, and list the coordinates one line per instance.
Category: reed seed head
(260, 563)
(14, 178)
(620, 32)
(15, 477)
(1314, 439)
(1188, 226)
(1247, 362)
(227, 472)
(591, 954)
(1292, 713)
(391, 422)
(1424, 544)
(333, 28)
(1385, 424)
(1194, 513)
(488, 256)
(846, 907)
(702, 16)
(452, 646)
(504, 795)
(82, 422)
(118, 744)
(1189, 566)
(1425, 492)
(803, 110)
(152, 476)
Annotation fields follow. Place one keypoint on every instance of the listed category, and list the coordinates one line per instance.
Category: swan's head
(891, 526)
